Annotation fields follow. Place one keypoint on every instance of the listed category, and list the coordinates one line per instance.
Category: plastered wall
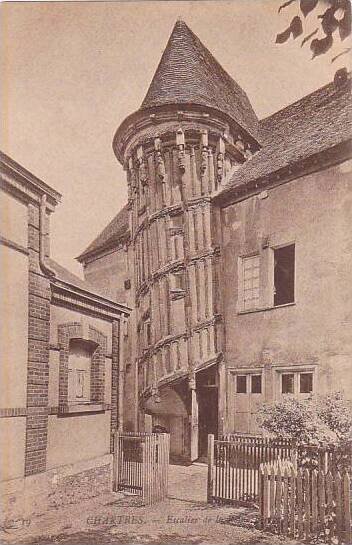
(108, 274)
(313, 212)
(13, 333)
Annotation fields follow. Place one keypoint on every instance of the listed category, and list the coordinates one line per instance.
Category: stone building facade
(61, 359)
(233, 249)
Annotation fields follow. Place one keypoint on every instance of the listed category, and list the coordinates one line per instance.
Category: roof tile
(109, 237)
(188, 73)
(314, 123)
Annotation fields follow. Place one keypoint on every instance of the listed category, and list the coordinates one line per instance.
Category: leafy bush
(317, 421)
(336, 413)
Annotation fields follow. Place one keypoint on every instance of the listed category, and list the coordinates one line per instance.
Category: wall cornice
(66, 295)
(20, 182)
(144, 125)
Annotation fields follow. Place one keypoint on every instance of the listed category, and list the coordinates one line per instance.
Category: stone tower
(193, 129)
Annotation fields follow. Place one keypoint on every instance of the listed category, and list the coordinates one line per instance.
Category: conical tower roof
(189, 74)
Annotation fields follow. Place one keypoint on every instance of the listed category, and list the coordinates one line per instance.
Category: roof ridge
(109, 232)
(313, 124)
(319, 90)
(67, 277)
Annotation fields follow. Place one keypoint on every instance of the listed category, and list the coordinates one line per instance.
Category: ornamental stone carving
(142, 169)
(159, 161)
(180, 142)
(204, 152)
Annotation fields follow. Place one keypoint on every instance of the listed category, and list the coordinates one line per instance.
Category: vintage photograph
(176, 272)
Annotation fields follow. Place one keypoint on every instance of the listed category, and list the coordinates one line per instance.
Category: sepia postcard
(176, 272)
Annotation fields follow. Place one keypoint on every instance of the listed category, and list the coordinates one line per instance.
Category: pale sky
(72, 71)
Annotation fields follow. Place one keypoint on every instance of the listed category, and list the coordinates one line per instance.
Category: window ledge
(264, 309)
(72, 408)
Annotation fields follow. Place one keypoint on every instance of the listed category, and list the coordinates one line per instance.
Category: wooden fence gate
(141, 463)
(234, 462)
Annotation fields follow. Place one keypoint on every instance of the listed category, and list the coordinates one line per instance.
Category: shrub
(318, 421)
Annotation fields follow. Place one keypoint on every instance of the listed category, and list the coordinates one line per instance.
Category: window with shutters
(250, 282)
(82, 368)
(79, 370)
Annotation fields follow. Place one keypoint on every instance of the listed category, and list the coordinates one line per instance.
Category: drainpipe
(121, 373)
(44, 265)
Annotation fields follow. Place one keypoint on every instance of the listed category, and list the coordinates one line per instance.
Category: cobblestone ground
(184, 518)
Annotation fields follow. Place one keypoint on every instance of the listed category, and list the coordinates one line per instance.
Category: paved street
(184, 518)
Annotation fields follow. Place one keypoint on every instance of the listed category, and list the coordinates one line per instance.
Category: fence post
(144, 474)
(347, 507)
(294, 455)
(115, 465)
(210, 467)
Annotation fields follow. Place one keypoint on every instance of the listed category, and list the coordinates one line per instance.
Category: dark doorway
(207, 390)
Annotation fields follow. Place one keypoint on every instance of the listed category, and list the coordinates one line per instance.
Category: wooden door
(248, 396)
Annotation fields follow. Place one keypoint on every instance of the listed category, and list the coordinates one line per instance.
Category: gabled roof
(110, 236)
(189, 74)
(314, 123)
(65, 279)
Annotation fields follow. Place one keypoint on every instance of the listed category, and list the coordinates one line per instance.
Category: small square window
(306, 383)
(256, 384)
(287, 383)
(241, 384)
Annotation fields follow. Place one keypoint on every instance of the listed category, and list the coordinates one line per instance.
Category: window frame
(266, 298)
(75, 331)
(238, 376)
(261, 383)
(74, 372)
(272, 269)
(297, 372)
(248, 373)
(241, 303)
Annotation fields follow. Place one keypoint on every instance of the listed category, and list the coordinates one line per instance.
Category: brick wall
(38, 353)
(114, 381)
(74, 330)
(65, 333)
(97, 380)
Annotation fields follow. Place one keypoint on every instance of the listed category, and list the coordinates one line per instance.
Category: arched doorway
(169, 411)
